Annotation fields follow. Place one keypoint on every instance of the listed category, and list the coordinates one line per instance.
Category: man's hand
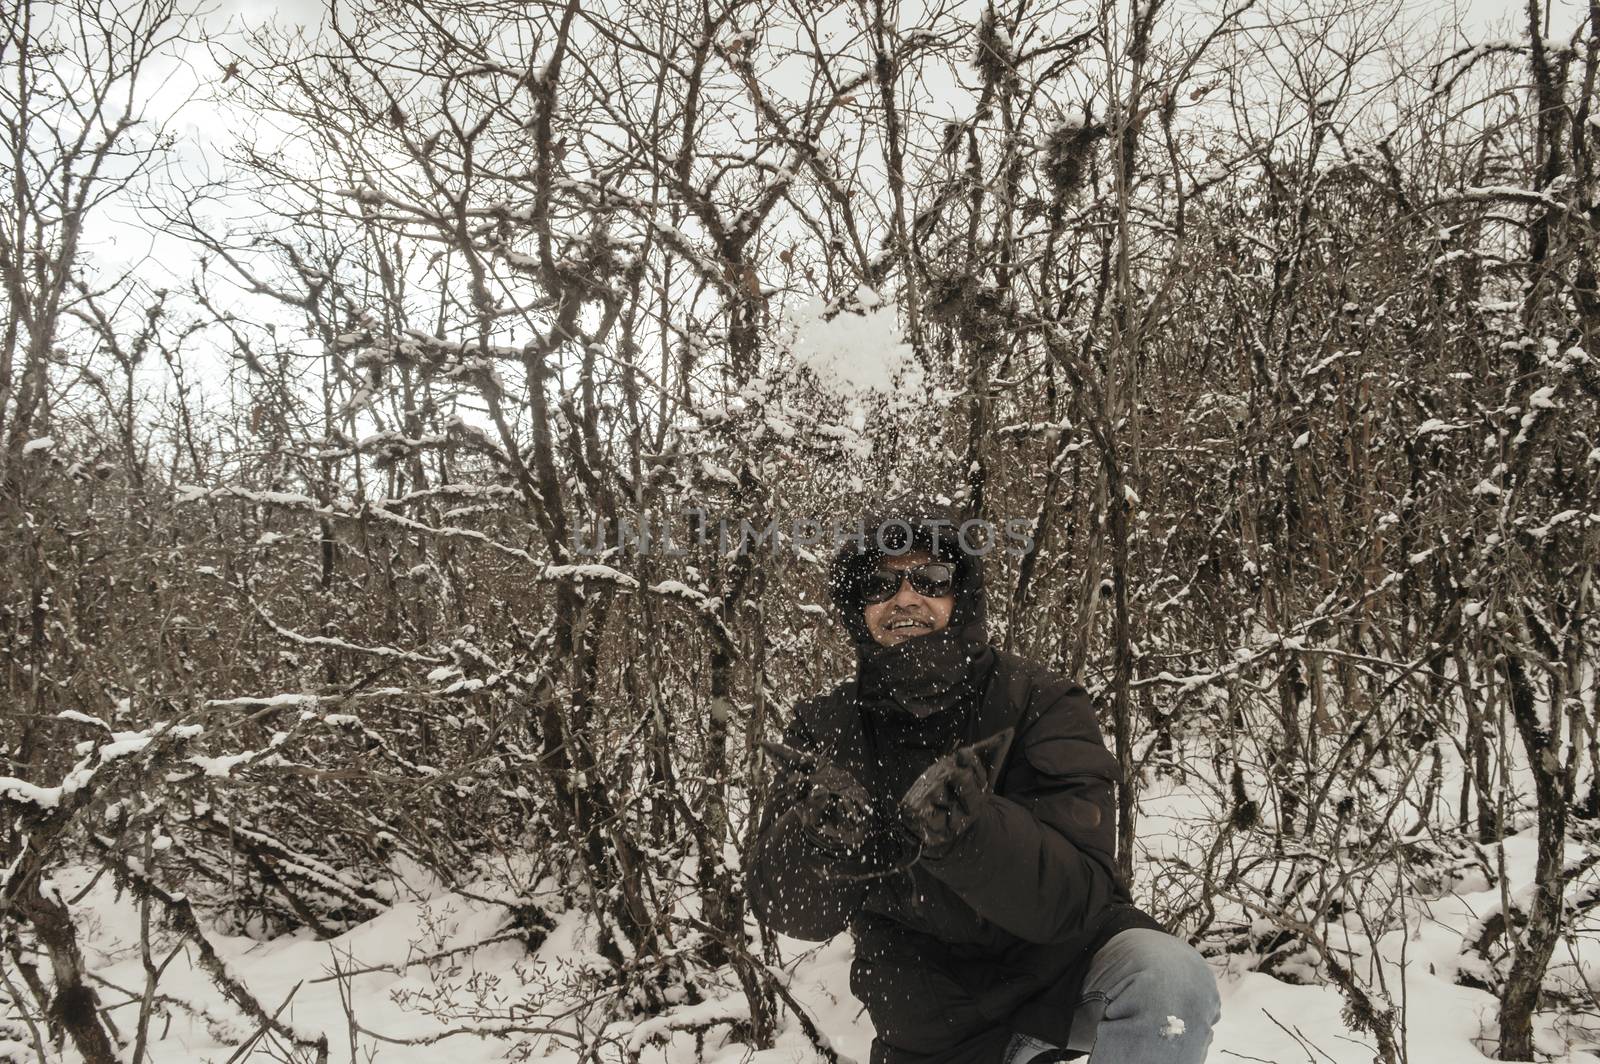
(837, 813)
(944, 801)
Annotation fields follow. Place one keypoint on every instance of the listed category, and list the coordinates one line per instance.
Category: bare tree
(1270, 328)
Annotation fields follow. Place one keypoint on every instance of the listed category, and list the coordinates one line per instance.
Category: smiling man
(953, 807)
(908, 595)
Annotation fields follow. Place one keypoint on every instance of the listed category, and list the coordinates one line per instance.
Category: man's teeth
(908, 624)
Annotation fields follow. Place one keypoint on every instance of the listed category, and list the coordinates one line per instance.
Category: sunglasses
(932, 580)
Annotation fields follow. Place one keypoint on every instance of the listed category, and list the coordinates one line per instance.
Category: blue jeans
(1149, 998)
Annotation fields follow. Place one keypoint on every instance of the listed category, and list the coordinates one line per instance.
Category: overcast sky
(1484, 14)
(121, 238)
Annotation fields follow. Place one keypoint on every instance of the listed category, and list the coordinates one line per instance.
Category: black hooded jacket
(994, 937)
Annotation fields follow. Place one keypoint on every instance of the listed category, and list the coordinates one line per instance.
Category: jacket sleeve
(1053, 833)
(785, 873)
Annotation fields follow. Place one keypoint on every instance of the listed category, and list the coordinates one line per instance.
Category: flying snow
(853, 353)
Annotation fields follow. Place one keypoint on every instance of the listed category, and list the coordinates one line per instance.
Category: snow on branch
(306, 504)
(590, 571)
(223, 767)
(701, 1016)
(709, 607)
(182, 915)
(76, 786)
(1503, 194)
(333, 643)
(289, 700)
(286, 860)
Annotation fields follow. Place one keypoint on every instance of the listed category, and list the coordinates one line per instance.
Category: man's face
(908, 614)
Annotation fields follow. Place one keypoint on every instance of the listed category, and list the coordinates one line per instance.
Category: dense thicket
(1275, 325)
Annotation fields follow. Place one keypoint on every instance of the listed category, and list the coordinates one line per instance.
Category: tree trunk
(75, 1008)
(1531, 955)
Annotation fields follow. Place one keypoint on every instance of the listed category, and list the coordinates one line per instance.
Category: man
(953, 807)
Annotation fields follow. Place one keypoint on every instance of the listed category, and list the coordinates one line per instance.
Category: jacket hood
(895, 527)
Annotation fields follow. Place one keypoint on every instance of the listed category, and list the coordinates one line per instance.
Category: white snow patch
(270, 702)
(678, 588)
(1173, 1028)
(221, 767)
(1433, 425)
(580, 573)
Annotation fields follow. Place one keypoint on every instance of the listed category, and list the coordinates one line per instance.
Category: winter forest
(416, 418)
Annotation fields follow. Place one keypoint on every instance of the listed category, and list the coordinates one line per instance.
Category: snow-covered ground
(390, 992)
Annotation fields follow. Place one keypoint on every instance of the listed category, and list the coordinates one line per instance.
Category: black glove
(837, 815)
(944, 801)
(837, 811)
